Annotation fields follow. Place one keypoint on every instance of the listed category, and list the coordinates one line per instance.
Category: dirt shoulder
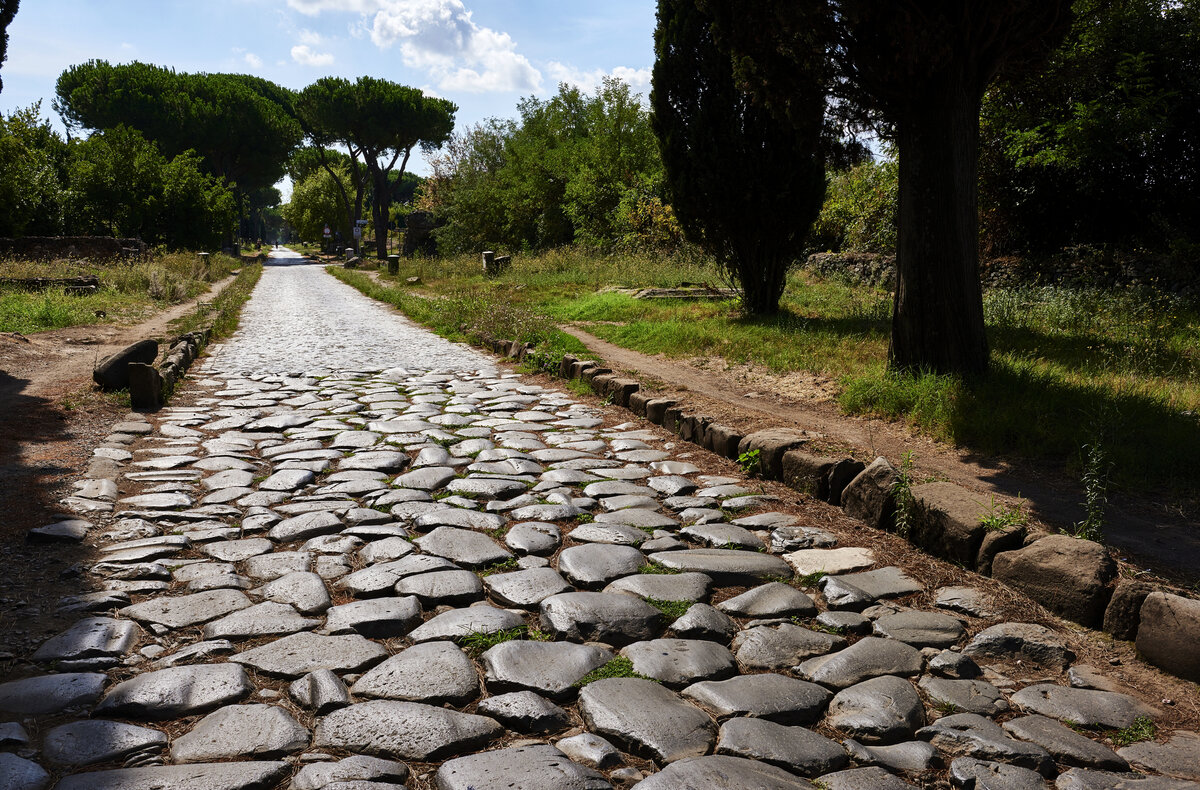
(749, 398)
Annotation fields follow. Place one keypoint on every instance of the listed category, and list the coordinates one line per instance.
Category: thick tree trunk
(937, 324)
(379, 211)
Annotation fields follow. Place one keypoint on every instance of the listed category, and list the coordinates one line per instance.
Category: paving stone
(357, 768)
(69, 531)
(830, 561)
(332, 544)
(525, 588)
(533, 537)
(844, 622)
(196, 650)
(724, 566)
(612, 618)
(404, 730)
(872, 778)
(450, 587)
(965, 696)
(17, 773)
(722, 772)
(546, 512)
(457, 517)
(486, 488)
(237, 550)
(1178, 757)
(967, 600)
(264, 619)
(614, 534)
(680, 662)
(463, 547)
(176, 692)
(541, 766)
(969, 773)
(459, 623)
(88, 742)
(910, 757)
(321, 692)
(524, 711)
(550, 668)
(884, 709)
(238, 731)
(921, 629)
(92, 637)
(386, 550)
(46, 694)
(1083, 779)
(591, 750)
(1026, 641)
(376, 460)
(777, 698)
(187, 610)
(702, 621)
(646, 718)
(867, 658)
(212, 776)
(432, 672)
(639, 518)
(594, 565)
(664, 587)
(287, 480)
(267, 567)
(972, 735)
(303, 590)
(794, 749)
(1064, 744)
(12, 734)
(612, 503)
(299, 654)
(783, 646)
(1085, 707)
(305, 526)
(381, 579)
(428, 478)
(722, 536)
(377, 618)
(774, 599)
(845, 592)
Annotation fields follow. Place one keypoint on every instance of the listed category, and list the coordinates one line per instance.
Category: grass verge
(222, 312)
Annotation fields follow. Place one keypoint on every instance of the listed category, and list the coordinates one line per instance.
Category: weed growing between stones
(810, 579)
(672, 610)
(750, 462)
(499, 567)
(945, 708)
(1096, 469)
(1000, 516)
(478, 642)
(902, 492)
(619, 667)
(656, 569)
(1142, 729)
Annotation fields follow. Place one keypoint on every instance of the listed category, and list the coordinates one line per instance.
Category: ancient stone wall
(95, 248)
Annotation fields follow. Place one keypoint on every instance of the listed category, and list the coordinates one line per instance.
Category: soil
(1149, 531)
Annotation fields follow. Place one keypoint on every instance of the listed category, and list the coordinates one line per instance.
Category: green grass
(478, 642)
(998, 516)
(1142, 729)
(656, 569)
(619, 667)
(672, 610)
(810, 579)
(1066, 364)
(499, 567)
(223, 312)
(129, 292)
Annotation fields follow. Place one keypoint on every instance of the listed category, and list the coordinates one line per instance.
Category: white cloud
(304, 55)
(310, 37)
(252, 60)
(637, 79)
(440, 38)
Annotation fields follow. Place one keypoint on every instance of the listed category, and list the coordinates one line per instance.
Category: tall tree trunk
(379, 211)
(937, 324)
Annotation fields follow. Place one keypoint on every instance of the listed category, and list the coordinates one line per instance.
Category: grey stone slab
(449, 587)
(17, 773)
(542, 766)
(773, 599)
(970, 773)
(213, 776)
(525, 588)
(680, 662)
(722, 772)
(921, 629)
(386, 549)
(376, 460)
(463, 547)
(794, 749)
(533, 537)
(549, 512)
(458, 517)
(1064, 744)
(872, 778)
(459, 623)
(725, 566)
(321, 692)
(287, 480)
(486, 488)
(1083, 779)
(303, 590)
(591, 750)
(299, 654)
(664, 587)
(550, 668)
(646, 718)
(639, 518)
(955, 666)
(404, 730)
(45, 694)
(92, 637)
(432, 672)
(972, 735)
(1178, 757)
(1085, 707)
(910, 757)
(12, 734)
(729, 536)
(194, 652)
(357, 768)
(867, 658)
(614, 534)
(702, 621)
(332, 544)
(594, 565)
(381, 579)
(240, 730)
(176, 692)
(525, 712)
(305, 526)
(774, 697)
(1027, 641)
(187, 610)
(266, 567)
(783, 646)
(377, 618)
(967, 600)
(264, 619)
(965, 696)
(612, 618)
(237, 550)
(884, 709)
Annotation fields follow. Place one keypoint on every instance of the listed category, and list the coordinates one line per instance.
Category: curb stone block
(589, 374)
(724, 440)
(670, 419)
(1169, 633)
(996, 541)
(600, 382)
(771, 444)
(577, 368)
(637, 403)
(840, 476)
(113, 371)
(808, 473)
(1124, 610)
(655, 409)
(564, 366)
(946, 522)
(869, 498)
(1068, 576)
(621, 389)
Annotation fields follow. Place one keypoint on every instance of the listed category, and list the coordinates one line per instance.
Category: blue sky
(482, 54)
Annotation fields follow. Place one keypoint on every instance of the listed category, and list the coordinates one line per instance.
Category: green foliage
(999, 516)
(750, 462)
(810, 579)
(317, 201)
(672, 610)
(619, 667)
(746, 180)
(1142, 729)
(32, 160)
(859, 213)
(8, 9)
(902, 492)
(654, 569)
(572, 168)
(1096, 471)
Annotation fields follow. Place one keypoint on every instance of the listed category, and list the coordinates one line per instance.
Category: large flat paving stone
(783, 646)
(680, 662)
(722, 772)
(774, 599)
(725, 566)
(647, 719)
(176, 692)
(404, 730)
(381, 579)
(358, 768)
(1178, 757)
(525, 589)
(377, 618)
(533, 537)
(187, 610)
(612, 618)
(303, 590)
(89, 638)
(1026, 641)
(298, 654)
(432, 672)
(1085, 707)
(93, 741)
(1064, 744)
(921, 629)
(867, 658)
(463, 547)
(596, 564)
(551, 668)
(240, 730)
(1083, 779)
(264, 619)
(543, 767)
(449, 587)
(965, 696)
(664, 587)
(17, 773)
(459, 623)
(972, 735)
(885, 709)
(794, 749)
(768, 696)
(525, 711)
(214, 776)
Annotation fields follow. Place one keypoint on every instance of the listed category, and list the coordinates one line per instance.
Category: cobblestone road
(355, 556)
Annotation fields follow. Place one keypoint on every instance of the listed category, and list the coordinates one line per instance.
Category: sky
(484, 55)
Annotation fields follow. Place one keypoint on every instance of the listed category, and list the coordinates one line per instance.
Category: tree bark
(937, 323)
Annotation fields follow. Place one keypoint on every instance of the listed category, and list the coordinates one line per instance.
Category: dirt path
(1145, 528)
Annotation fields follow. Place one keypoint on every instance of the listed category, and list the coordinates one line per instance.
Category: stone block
(1124, 610)
(591, 373)
(945, 522)
(564, 366)
(578, 368)
(1169, 632)
(869, 497)
(656, 408)
(996, 541)
(723, 440)
(807, 473)
(671, 416)
(1068, 576)
(771, 444)
(621, 389)
(638, 401)
(840, 476)
(393, 265)
(600, 383)
(113, 371)
(145, 387)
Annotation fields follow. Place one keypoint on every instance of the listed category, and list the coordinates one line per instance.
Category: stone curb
(1074, 578)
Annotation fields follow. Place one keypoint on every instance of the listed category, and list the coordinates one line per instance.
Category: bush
(860, 210)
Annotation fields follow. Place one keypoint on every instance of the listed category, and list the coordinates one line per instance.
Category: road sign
(360, 222)
(327, 233)
(358, 231)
